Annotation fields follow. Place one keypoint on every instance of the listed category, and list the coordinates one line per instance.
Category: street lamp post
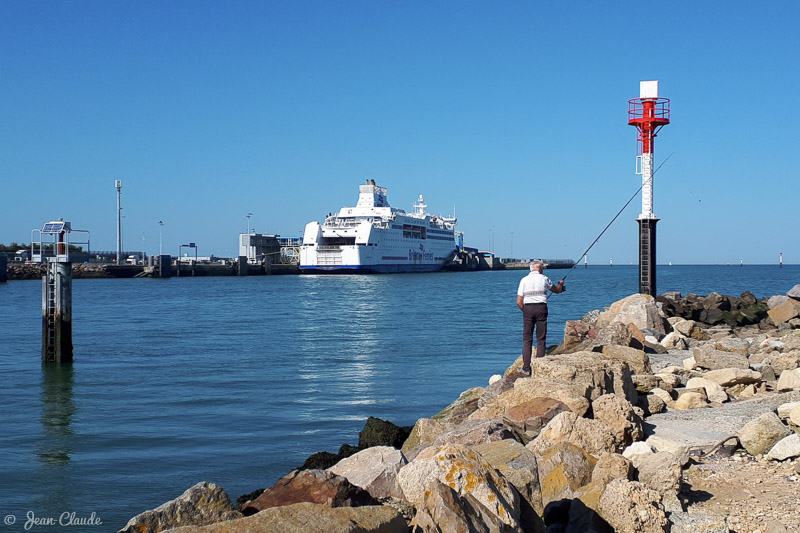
(160, 237)
(248, 236)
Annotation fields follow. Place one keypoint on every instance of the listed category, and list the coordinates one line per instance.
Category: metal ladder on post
(50, 313)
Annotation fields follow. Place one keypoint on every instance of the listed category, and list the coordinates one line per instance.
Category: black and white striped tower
(648, 114)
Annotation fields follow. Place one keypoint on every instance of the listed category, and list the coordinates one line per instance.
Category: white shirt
(534, 288)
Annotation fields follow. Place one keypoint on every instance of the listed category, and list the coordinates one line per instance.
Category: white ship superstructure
(375, 237)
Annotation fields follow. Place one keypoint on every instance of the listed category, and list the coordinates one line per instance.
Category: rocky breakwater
(601, 437)
(23, 271)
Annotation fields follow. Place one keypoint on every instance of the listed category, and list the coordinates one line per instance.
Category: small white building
(258, 246)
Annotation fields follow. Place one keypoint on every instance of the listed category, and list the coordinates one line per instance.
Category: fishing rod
(617, 215)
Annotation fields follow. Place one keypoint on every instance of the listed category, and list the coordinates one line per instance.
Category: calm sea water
(237, 380)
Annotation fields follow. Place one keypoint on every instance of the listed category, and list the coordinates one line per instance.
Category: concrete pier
(57, 313)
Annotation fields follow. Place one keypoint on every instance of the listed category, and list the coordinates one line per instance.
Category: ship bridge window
(414, 232)
(338, 241)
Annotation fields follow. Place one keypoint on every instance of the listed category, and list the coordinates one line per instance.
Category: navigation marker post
(648, 114)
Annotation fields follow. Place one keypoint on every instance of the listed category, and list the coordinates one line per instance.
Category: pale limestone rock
(638, 361)
(678, 449)
(760, 435)
(785, 311)
(708, 357)
(519, 466)
(675, 341)
(786, 448)
(727, 377)
(775, 301)
(689, 328)
(784, 361)
(748, 392)
(794, 292)
(661, 472)
(794, 415)
(638, 309)
(732, 344)
(495, 378)
(423, 434)
(443, 509)
(689, 363)
(652, 404)
(664, 395)
(674, 320)
(563, 469)
(464, 471)
(592, 436)
(637, 452)
(473, 432)
(202, 504)
(612, 466)
(374, 470)
(697, 523)
(631, 507)
(785, 409)
(690, 400)
(789, 380)
(311, 518)
(714, 392)
(574, 395)
(618, 414)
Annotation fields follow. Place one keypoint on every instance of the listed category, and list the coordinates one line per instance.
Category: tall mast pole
(118, 186)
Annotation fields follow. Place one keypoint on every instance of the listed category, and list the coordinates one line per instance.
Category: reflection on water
(57, 411)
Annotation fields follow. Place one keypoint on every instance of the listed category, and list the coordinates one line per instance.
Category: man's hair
(535, 265)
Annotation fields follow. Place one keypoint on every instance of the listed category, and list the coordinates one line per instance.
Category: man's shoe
(524, 372)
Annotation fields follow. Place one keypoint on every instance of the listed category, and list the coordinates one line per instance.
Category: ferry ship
(373, 237)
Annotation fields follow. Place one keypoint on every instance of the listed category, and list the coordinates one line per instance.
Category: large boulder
(592, 436)
(784, 312)
(573, 394)
(519, 466)
(714, 391)
(563, 469)
(374, 470)
(760, 435)
(615, 334)
(690, 329)
(459, 410)
(789, 380)
(794, 292)
(472, 432)
(311, 518)
(494, 390)
(675, 341)
(631, 507)
(637, 309)
(313, 486)
(443, 509)
(464, 471)
(533, 415)
(638, 360)
(708, 357)
(784, 361)
(602, 376)
(379, 432)
(786, 448)
(728, 377)
(618, 414)
(202, 504)
(662, 472)
(423, 434)
(611, 466)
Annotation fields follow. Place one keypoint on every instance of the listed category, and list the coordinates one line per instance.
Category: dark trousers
(533, 315)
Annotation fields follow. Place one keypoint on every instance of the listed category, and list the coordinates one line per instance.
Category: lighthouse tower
(648, 114)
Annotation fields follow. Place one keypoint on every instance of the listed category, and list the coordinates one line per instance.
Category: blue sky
(513, 112)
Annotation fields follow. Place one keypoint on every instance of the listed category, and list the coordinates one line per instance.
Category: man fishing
(532, 301)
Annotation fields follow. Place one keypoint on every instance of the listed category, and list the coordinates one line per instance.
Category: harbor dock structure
(3, 267)
(648, 114)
